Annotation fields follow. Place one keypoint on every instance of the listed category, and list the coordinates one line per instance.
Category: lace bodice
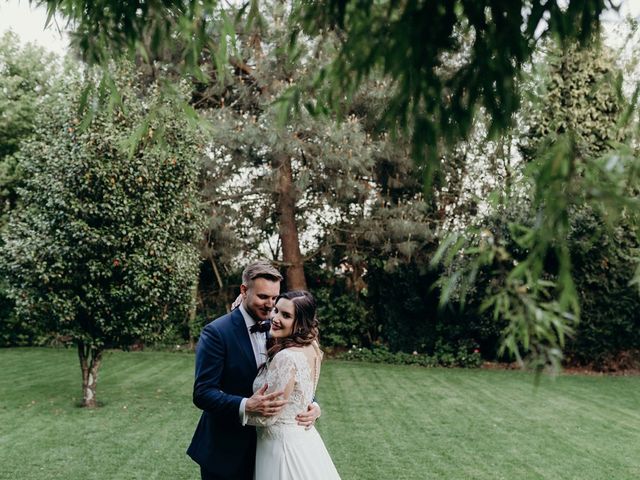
(295, 371)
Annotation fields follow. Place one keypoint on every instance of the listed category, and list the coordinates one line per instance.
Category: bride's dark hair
(305, 323)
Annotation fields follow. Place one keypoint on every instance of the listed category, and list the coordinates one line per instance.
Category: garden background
(449, 201)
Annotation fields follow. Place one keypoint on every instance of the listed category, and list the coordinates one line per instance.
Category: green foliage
(330, 167)
(610, 320)
(343, 319)
(12, 331)
(580, 95)
(436, 62)
(396, 311)
(26, 75)
(102, 248)
(445, 58)
(356, 189)
(330, 161)
(463, 357)
(404, 305)
(533, 285)
(107, 29)
(600, 258)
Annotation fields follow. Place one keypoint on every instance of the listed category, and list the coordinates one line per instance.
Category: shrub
(102, 249)
(343, 319)
(604, 260)
(461, 357)
(404, 303)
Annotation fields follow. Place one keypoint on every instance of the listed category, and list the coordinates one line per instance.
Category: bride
(286, 450)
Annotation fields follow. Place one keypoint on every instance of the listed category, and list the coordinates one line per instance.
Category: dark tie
(260, 327)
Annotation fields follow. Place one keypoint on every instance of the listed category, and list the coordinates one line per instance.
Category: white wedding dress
(285, 450)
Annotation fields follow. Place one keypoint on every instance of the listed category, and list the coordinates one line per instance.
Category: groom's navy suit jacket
(225, 369)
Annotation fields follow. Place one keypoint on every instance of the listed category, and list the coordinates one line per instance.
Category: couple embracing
(258, 404)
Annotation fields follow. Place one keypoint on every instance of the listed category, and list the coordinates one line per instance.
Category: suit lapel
(243, 340)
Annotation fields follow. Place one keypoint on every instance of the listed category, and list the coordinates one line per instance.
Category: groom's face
(259, 297)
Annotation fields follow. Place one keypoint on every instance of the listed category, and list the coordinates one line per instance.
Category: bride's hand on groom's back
(265, 404)
(236, 303)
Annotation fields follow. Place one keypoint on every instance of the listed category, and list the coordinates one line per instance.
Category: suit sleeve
(207, 395)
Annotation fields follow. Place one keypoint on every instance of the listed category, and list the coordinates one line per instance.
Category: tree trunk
(90, 360)
(286, 207)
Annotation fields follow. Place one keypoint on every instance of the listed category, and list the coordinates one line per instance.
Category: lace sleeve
(280, 377)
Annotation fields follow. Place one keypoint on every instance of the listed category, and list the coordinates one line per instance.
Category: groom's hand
(308, 418)
(265, 405)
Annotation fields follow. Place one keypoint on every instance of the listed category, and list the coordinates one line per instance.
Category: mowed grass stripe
(484, 424)
(548, 414)
(379, 421)
(142, 419)
(41, 367)
(352, 405)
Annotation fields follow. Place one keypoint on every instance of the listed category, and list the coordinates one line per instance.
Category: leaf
(444, 246)
(287, 104)
(51, 11)
(449, 288)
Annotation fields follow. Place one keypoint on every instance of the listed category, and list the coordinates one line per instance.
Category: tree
(269, 180)
(576, 164)
(26, 73)
(314, 183)
(409, 42)
(582, 96)
(26, 76)
(102, 250)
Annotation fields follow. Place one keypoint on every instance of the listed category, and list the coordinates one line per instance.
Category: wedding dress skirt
(286, 450)
(289, 452)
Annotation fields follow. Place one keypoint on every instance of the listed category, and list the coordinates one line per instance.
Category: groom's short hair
(260, 269)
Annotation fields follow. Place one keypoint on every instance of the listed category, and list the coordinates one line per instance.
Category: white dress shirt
(258, 339)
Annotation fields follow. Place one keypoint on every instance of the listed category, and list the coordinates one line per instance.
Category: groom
(227, 359)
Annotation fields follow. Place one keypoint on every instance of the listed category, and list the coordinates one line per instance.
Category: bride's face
(282, 323)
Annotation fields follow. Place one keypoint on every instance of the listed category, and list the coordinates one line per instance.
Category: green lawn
(379, 422)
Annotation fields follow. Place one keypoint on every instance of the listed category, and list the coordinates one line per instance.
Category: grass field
(379, 422)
